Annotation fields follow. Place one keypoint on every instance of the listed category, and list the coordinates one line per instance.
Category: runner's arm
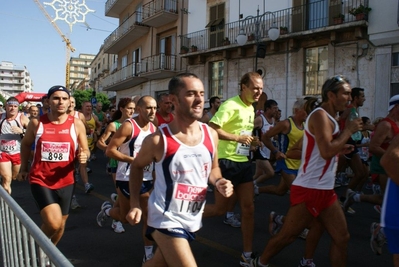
(122, 135)
(390, 160)
(101, 143)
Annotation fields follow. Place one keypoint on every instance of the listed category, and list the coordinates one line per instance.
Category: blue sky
(28, 38)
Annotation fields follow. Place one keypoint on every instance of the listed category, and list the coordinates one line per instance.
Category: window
(316, 69)
(216, 81)
(136, 59)
(216, 25)
(395, 59)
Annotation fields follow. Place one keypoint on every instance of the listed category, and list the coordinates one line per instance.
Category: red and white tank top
(53, 160)
(316, 172)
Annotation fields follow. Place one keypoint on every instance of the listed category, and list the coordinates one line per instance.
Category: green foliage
(85, 95)
(360, 10)
(3, 100)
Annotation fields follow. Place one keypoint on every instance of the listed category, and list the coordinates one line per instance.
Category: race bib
(243, 149)
(8, 145)
(55, 151)
(188, 199)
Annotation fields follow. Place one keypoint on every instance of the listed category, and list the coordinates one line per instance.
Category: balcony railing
(152, 8)
(114, 7)
(130, 71)
(132, 23)
(158, 62)
(291, 20)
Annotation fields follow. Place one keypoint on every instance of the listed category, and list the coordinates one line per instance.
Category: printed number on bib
(188, 198)
(8, 145)
(55, 151)
(243, 149)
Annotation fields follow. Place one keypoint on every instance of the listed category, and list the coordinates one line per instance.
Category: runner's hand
(22, 176)
(224, 187)
(82, 156)
(134, 216)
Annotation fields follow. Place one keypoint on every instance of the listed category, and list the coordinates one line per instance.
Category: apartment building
(79, 72)
(14, 79)
(145, 45)
(315, 40)
(102, 65)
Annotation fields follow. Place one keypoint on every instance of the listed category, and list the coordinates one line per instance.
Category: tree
(86, 95)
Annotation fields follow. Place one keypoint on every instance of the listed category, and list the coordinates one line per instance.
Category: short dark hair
(176, 83)
(212, 100)
(356, 92)
(269, 103)
(332, 84)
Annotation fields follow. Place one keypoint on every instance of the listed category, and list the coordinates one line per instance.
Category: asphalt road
(217, 244)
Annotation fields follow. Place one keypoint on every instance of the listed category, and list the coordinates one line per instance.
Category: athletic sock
(148, 251)
(356, 197)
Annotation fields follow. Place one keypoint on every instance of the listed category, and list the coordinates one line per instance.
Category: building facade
(317, 40)
(146, 45)
(14, 79)
(80, 71)
(102, 65)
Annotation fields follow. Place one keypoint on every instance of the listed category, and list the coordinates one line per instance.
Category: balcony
(298, 22)
(160, 12)
(129, 31)
(124, 78)
(113, 8)
(158, 67)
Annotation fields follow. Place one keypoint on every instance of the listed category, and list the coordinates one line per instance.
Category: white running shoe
(118, 227)
(102, 216)
(304, 233)
(233, 221)
(274, 226)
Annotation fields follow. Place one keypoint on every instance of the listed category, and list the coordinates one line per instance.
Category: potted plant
(339, 19)
(251, 37)
(360, 12)
(194, 48)
(183, 49)
(283, 30)
(226, 41)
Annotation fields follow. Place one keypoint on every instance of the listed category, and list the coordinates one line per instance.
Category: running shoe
(308, 263)
(88, 188)
(255, 263)
(118, 227)
(102, 216)
(376, 189)
(74, 203)
(114, 196)
(246, 261)
(233, 221)
(350, 210)
(349, 199)
(274, 226)
(304, 234)
(88, 170)
(145, 258)
(377, 239)
(377, 208)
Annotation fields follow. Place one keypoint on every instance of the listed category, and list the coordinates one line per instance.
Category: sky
(28, 38)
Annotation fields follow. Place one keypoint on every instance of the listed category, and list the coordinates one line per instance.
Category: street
(217, 244)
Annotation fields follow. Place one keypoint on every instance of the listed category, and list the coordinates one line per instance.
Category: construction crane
(69, 47)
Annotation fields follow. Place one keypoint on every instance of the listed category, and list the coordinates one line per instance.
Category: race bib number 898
(55, 151)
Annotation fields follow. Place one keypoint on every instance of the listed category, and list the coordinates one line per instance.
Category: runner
(126, 109)
(12, 129)
(234, 123)
(185, 158)
(124, 147)
(57, 136)
(312, 192)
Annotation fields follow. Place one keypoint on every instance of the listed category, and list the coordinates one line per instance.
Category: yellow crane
(69, 47)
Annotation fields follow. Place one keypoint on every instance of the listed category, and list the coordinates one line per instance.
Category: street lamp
(273, 33)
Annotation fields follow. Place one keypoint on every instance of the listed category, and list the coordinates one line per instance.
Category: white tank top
(264, 151)
(178, 198)
(132, 148)
(10, 142)
(316, 172)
